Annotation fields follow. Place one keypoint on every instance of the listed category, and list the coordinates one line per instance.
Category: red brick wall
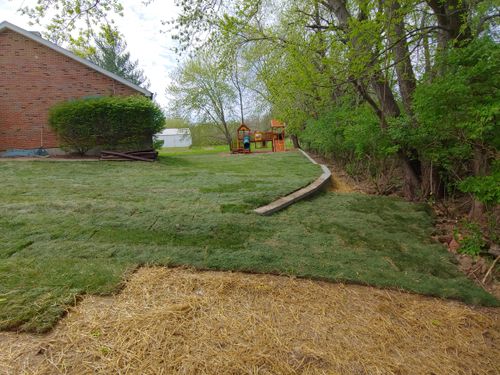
(34, 77)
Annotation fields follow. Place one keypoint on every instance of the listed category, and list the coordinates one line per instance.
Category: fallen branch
(490, 269)
(149, 150)
(125, 156)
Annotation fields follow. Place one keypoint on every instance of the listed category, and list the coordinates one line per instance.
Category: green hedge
(112, 122)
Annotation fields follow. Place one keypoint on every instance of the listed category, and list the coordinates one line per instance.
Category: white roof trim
(55, 47)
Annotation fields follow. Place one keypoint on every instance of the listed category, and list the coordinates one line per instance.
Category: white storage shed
(175, 137)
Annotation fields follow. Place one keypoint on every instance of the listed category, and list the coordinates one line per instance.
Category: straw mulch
(178, 321)
(339, 185)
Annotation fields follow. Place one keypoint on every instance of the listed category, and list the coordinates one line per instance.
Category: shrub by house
(111, 122)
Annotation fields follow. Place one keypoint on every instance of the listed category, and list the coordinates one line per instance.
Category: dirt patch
(177, 321)
(341, 182)
(339, 185)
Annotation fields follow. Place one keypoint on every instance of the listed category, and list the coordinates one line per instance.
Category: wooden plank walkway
(296, 196)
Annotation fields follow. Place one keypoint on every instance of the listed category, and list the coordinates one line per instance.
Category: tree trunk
(295, 141)
(411, 184)
(385, 97)
(425, 45)
(476, 212)
(229, 141)
(339, 9)
(431, 181)
(364, 94)
(404, 69)
(227, 134)
(451, 16)
(410, 166)
(479, 168)
(237, 85)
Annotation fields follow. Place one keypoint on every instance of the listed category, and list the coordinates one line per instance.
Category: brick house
(36, 74)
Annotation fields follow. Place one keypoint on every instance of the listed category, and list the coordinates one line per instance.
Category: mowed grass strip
(73, 228)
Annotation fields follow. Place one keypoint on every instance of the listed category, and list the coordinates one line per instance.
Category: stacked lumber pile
(149, 155)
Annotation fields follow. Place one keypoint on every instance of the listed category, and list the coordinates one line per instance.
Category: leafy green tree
(458, 113)
(202, 92)
(64, 17)
(108, 49)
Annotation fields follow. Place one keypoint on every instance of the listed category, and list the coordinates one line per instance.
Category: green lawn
(70, 228)
(193, 150)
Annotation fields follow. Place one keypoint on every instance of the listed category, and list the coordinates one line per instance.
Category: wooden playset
(245, 137)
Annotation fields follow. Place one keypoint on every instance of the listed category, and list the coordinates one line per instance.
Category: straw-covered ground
(180, 321)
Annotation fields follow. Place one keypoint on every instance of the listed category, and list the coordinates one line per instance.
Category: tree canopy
(202, 92)
(108, 49)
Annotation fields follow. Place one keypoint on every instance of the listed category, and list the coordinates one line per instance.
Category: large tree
(108, 49)
(204, 93)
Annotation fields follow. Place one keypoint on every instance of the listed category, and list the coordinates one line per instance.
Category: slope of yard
(73, 228)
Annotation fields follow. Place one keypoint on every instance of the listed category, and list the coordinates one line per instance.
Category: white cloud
(142, 27)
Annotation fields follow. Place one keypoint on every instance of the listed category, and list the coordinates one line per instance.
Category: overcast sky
(141, 26)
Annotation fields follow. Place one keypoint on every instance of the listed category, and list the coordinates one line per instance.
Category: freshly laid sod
(69, 228)
(194, 150)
